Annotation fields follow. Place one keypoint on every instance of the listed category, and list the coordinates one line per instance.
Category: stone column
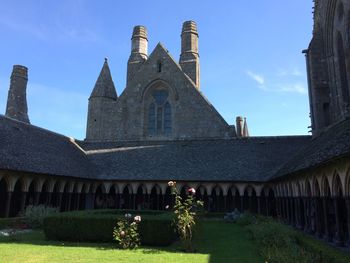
(347, 203)
(48, 198)
(23, 201)
(250, 201)
(258, 199)
(8, 204)
(306, 214)
(225, 203)
(318, 215)
(326, 236)
(338, 227)
(297, 212)
(242, 204)
(69, 201)
(36, 198)
(77, 204)
(59, 201)
(267, 206)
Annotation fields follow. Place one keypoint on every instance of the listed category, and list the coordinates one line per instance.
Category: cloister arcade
(317, 203)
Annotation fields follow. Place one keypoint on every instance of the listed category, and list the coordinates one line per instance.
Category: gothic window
(342, 69)
(159, 114)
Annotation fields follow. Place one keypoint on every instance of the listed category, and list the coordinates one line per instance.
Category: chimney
(239, 126)
(139, 50)
(189, 58)
(16, 107)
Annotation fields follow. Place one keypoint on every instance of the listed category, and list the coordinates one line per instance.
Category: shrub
(280, 243)
(246, 219)
(97, 226)
(185, 215)
(126, 233)
(34, 215)
(12, 222)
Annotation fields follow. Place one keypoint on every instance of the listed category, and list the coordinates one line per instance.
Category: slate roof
(27, 148)
(238, 159)
(332, 144)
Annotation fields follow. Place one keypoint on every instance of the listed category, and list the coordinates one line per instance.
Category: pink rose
(167, 207)
(171, 183)
(122, 233)
(191, 190)
(137, 219)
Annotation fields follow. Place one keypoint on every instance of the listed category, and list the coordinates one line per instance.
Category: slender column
(291, 208)
(69, 201)
(267, 206)
(318, 217)
(59, 201)
(8, 204)
(297, 212)
(288, 210)
(306, 213)
(48, 198)
(242, 204)
(225, 203)
(338, 233)
(36, 198)
(250, 201)
(23, 201)
(326, 236)
(278, 206)
(258, 199)
(347, 203)
(77, 204)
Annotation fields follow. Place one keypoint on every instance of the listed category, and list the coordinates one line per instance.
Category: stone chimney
(139, 50)
(16, 107)
(189, 58)
(239, 126)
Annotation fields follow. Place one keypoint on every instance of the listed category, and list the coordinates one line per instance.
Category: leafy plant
(126, 233)
(185, 215)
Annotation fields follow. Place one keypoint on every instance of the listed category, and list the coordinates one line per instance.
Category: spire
(16, 107)
(104, 86)
(245, 128)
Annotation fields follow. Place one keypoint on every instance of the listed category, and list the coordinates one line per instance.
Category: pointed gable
(191, 116)
(104, 86)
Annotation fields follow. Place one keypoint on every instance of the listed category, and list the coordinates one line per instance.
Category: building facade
(161, 128)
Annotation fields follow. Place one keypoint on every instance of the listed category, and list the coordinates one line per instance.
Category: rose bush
(126, 233)
(185, 215)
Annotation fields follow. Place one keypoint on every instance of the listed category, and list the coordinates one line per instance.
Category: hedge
(11, 222)
(97, 226)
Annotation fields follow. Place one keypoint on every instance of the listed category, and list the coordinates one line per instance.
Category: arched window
(159, 114)
(342, 68)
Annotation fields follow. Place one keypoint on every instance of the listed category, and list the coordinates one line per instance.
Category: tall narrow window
(342, 69)
(159, 114)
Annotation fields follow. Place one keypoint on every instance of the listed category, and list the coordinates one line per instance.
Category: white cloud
(278, 85)
(294, 73)
(257, 77)
(296, 88)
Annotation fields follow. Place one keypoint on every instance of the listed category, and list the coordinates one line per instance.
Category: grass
(216, 242)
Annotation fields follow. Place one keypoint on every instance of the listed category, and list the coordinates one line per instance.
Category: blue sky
(250, 54)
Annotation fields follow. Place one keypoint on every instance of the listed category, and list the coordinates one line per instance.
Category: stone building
(161, 128)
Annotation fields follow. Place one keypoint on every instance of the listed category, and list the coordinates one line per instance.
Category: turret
(16, 107)
(101, 110)
(189, 58)
(139, 51)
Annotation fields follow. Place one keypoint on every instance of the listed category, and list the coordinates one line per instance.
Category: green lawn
(216, 242)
